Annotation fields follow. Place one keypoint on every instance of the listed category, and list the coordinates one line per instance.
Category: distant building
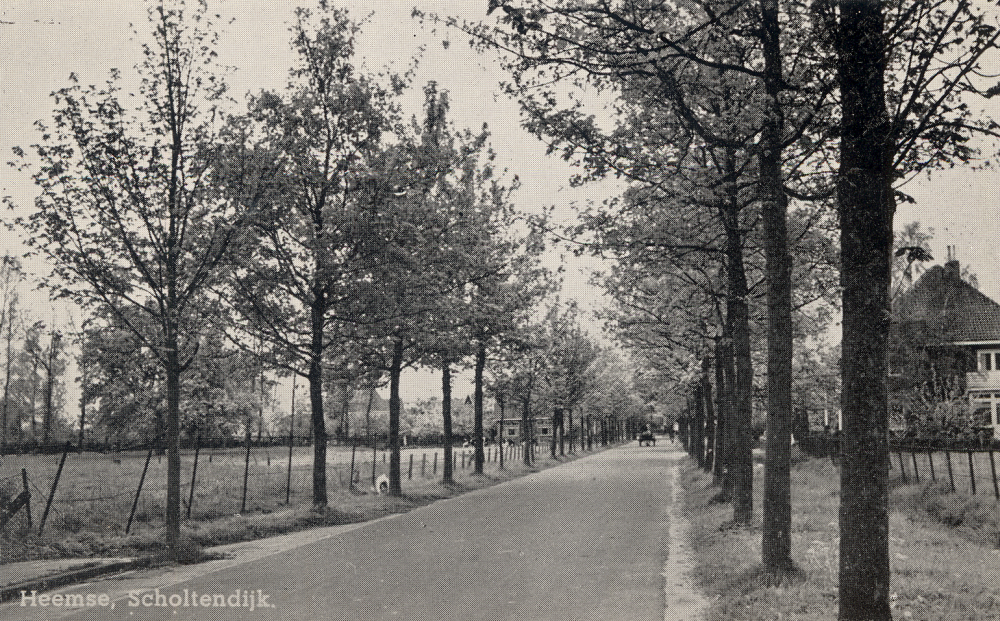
(946, 345)
(512, 430)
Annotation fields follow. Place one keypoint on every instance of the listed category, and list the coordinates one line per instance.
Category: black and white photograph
(527, 310)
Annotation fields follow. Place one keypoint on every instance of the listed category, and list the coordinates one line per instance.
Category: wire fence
(116, 492)
(971, 469)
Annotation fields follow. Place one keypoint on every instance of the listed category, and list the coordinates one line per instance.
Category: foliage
(126, 387)
(131, 215)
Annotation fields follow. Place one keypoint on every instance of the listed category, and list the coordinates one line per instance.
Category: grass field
(938, 571)
(95, 493)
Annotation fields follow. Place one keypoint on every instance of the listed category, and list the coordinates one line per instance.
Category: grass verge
(938, 572)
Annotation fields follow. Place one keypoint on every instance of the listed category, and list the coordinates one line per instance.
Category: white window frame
(990, 357)
(992, 399)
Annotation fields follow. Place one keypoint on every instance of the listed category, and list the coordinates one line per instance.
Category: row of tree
(319, 223)
(759, 139)
(318, 233)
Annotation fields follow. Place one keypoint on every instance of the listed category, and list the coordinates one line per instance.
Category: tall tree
(129, 214)
(426, 215)
(295, 289)
(676, 55)
(866, 208)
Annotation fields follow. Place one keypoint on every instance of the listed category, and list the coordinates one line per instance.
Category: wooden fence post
(52, 492)
(138, 490)
(409, 475)
(27, 506)
(951, 474)
(993, 469)
(194, 472)
(972, 473)
(354, 450)
(930, 460)
(902, 467)
(916, 470)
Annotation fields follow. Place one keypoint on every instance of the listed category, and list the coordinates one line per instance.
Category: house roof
(940, 301)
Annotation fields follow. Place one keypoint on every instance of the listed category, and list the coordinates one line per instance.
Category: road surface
(598, 538)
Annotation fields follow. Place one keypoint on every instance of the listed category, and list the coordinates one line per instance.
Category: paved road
(587, 540)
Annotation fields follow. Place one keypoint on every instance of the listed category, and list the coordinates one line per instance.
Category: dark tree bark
(866, 203)
(706, 383)
(569, 415)
(722, 413)
(395, 407)
(562, 433)
(556, 416)
(478, 398)
(317, 416)
(776, 533)
(173, 435)
(698, 425)
(526, 428)
(446, 415)
(739, 362)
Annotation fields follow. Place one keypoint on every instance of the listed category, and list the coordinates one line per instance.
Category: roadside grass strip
(940, 570)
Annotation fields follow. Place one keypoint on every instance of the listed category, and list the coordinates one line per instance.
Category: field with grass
(945, 549)
(96, 492)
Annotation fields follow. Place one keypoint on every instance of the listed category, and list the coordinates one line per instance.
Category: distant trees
(11, 276)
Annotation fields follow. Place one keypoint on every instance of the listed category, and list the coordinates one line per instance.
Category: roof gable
(942, 302)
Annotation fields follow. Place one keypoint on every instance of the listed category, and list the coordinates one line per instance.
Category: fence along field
(968, 470)
(98, 492)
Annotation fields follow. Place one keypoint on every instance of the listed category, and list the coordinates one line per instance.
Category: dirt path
(598, 538)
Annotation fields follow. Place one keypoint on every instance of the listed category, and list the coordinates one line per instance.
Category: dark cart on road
(648, 438)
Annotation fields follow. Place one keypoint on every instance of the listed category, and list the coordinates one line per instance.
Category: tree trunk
(173, 433)
(446, 416)
(395, 371)
(526, 427)
(866, 211)
(569, 416)
(777, 511)
(706, 382)
(478, 398)
(739, 361)
(83, 405)
(722, 410)
(317, 415)
(501, 438)
(698, 429)
(562, 433)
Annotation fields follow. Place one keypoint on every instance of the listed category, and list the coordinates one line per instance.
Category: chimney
(951, 268)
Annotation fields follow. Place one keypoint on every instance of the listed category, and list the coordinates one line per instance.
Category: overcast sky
(43, 41)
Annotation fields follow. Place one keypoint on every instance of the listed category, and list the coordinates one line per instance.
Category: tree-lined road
(587, 540)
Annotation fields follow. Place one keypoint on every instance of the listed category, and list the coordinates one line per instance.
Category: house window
(987, 362)
(545, 431)
(986, 409)
(512, 431)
